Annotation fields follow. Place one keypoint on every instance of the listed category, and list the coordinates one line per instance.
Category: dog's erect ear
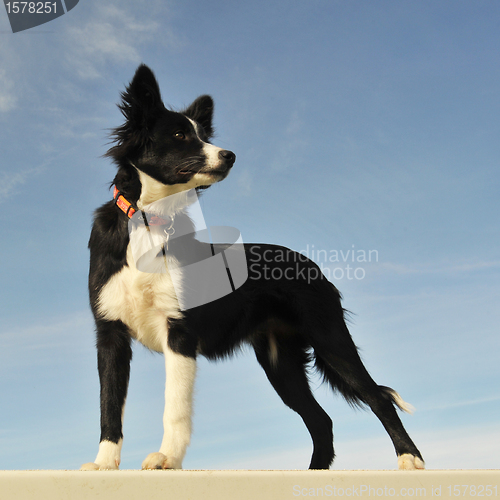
(141, 100)
(201, 111)
(141, 106)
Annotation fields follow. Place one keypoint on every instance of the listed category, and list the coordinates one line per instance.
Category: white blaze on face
(211, 152)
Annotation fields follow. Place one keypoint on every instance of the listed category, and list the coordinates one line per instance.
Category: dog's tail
(341, 380)
(396, 399)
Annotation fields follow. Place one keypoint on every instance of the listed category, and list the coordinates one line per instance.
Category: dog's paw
(410, 462)
(108, 457)
(94, 466)
(160, 461)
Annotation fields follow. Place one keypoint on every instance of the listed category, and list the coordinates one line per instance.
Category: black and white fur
(290, 322)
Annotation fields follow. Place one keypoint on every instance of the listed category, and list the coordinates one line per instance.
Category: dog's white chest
(143, 301)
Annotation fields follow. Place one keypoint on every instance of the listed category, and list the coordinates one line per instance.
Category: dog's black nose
(228, 156)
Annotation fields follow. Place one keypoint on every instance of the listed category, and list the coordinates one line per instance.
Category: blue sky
(357, 125)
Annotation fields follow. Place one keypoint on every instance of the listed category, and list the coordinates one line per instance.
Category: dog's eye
(180, 135)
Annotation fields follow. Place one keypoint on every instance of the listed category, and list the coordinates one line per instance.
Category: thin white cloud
(434, 268)
(289, 150)
(245, 183)
(8, 100)
(10, 181)
(463, 403)
(35, 345)
(114, 34)
(32, 334)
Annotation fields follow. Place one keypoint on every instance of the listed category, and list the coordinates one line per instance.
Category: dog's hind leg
(113, 360)
(180, 364)
(284, 363)
(339, 361)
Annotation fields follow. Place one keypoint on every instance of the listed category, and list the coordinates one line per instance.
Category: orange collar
(124, 205)
(129, 210)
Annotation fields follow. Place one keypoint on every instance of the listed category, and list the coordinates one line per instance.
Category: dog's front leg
(181, 372)
(113, 361)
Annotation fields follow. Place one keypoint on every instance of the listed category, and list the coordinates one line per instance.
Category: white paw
(410, 462)
(94, 466)
(160, 461)
(108, 457)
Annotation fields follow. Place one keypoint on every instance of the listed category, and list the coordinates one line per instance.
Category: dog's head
(170, 151)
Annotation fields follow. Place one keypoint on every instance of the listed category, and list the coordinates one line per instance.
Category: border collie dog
(291, 320)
